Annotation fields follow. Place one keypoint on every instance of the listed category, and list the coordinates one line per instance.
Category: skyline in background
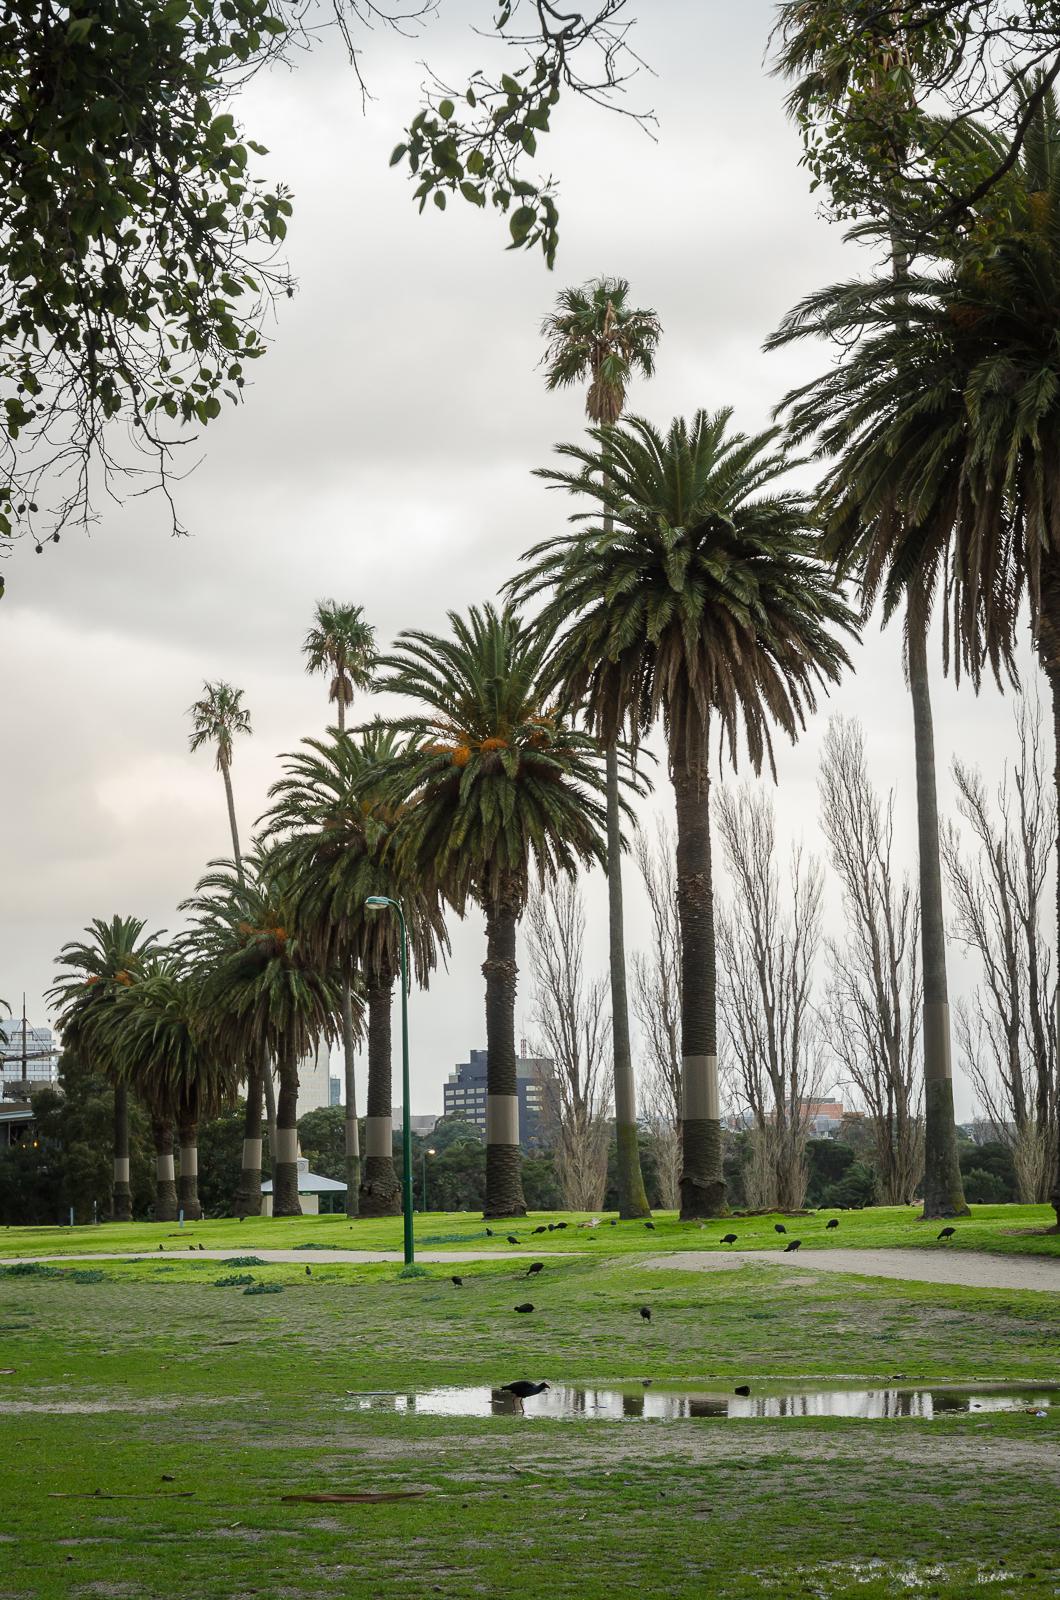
(384, 457)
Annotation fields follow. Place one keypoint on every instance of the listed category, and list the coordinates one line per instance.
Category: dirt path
(973, 1269)
(350, 1258)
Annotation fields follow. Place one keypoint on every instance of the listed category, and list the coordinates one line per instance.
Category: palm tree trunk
(632, 1199)
(943, 1191)
(702, 1183)
(269, 1077)
(381, 1194)
(188, 1184)
(248, 1195)
(237, 855)
(504, 1182)
(165, 1182)
(353, 1141)
(1048, 645)
(121, 1195)
(285, 1202)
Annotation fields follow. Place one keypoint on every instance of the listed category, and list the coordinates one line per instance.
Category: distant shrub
(857, 1187)
(264, 1288)
(234, 1280)
(983, 1188)
(244, 1261)
(85, 1275)
(31, 1269)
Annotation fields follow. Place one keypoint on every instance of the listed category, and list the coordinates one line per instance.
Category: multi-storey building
(465, 1094)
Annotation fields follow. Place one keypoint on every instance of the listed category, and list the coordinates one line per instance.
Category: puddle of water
(563, 1400)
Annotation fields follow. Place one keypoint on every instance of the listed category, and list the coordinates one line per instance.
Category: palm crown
(706, 597)
(335, 831)
(98, 969)
(500, 782)
(594, 337)
(217, 717)
(341, 643)
(155, 1033)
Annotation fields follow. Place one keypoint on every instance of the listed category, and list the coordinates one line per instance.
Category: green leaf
(397, 153)
(470, 192)
(79, 28)
(439, 199)
(446, 109)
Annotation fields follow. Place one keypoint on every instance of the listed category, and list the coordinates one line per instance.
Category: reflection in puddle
(614, 1404)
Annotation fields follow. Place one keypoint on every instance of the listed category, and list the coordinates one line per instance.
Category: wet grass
(235, 1401)
(1011, 1230)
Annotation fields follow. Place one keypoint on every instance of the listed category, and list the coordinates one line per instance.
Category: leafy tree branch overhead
(139, 251)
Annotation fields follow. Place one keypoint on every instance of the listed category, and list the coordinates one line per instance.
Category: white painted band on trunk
(502, 1119)
(353, 1136)
(378, 1136)
(189, 1161)
(937, 1040)
(164, 1168)
(252, 1155)
(286, 1144)
(121, 1169)
(699, 1089)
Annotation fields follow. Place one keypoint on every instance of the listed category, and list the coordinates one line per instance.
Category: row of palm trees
(689, 589)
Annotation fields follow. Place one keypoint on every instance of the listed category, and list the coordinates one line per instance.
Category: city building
(27, 1054)
(315, 1081)
(465, 1094)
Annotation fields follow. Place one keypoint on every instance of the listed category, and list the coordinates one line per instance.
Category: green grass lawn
(196, 1408)
(1011, 1229)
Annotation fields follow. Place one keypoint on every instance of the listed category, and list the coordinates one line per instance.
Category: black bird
(552, 1227)
(833, 1222)
(650, 1225)
(647, 1382)
(792, 1244)
(561, 1225)
(947, 1233)
(489, 1233)
(542, 1229)
(162, 1246)
(242, 1219)
(526, 1306)
(521, 1390)
(458, 1281)
(778, 1227)
(309, 1272)
(728, 1238)
(742, 1388)
(614, 1222)
(535, 1267)
(645, 1312)
(511, 1238)
(202, 1247)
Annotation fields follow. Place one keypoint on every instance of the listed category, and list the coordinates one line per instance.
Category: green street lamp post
(380, 902)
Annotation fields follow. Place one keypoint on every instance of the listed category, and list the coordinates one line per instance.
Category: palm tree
(595, 337)
(262, 991)
(706, 603)
(154, 1037)
(821, 73)
(96, 972)
(217, 718)
(945, 422)
(337, 833)
(497, 788)
(342, 644)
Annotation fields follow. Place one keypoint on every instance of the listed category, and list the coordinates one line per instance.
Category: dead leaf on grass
(356, 1499)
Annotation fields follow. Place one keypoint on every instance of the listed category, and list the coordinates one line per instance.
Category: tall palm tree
(594, 337)
(342, 644)
(96, 971)
(217, 718)
(497, 789)
(945, 421)
(820, 71)
(262, 991)
(706, 603)
(336, 832)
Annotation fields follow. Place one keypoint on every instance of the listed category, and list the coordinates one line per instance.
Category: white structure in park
(315, 1193)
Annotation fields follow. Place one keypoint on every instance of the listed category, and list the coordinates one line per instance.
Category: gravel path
(974, 1269)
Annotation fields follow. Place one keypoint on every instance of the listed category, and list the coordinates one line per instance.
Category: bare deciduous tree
(874, 988)
(765, 992)
(1007, 1035)
(571, 1024)
(657, 1007)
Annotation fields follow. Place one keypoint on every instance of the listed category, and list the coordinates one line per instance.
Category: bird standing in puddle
(522, 1390)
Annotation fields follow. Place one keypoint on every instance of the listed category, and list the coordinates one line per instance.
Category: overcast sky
(384, 457)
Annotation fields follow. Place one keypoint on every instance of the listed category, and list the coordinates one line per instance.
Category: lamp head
(376, 902)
